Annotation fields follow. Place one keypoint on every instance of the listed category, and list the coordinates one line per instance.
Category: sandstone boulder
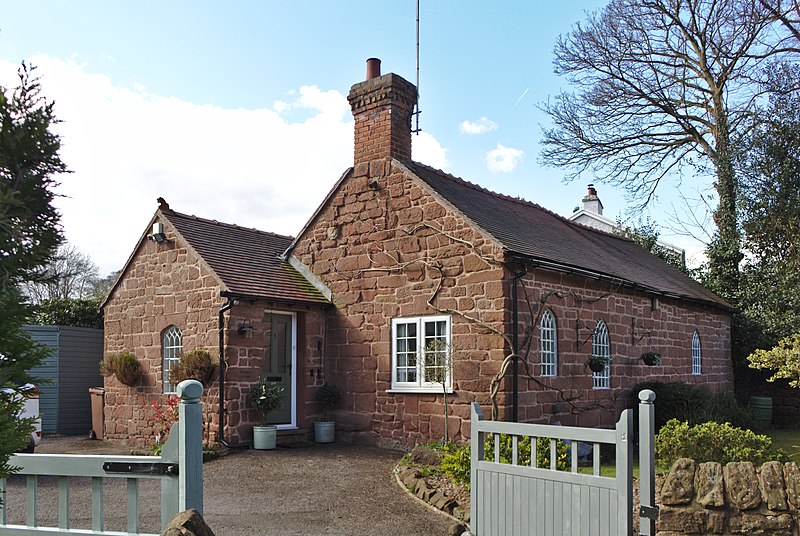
(187, 523)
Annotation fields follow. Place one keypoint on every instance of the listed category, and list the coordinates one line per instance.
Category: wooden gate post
(648, 512)
(190, 456)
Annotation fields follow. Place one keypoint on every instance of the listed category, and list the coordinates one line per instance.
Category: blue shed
(72, 368)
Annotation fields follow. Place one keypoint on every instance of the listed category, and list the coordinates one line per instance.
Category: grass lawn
(788, 440)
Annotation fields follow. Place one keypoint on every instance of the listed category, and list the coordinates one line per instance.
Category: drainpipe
(515, 342)
(221, 432)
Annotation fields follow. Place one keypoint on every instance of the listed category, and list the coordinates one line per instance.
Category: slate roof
(526, 229)
(246, 260)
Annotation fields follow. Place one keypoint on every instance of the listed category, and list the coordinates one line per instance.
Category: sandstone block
(679, 485)
(741, 485)
(680, 520)
(715, 523)
(709, 485)
(758, 523)
(425, 456)
(187, 523)
(772, 487)
(791, 475)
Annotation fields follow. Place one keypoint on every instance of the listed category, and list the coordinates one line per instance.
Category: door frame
(292, 425)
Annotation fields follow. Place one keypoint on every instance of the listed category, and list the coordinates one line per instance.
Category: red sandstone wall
(165, 284)
(580, 302)
(367, 246)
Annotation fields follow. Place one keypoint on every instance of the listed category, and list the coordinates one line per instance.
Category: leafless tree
(70, 274)
(663, 84)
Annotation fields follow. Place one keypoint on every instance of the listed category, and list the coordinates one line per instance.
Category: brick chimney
(382, 108)
(591, 203)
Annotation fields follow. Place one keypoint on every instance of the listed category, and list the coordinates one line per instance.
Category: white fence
(511, 499)
(180, 469)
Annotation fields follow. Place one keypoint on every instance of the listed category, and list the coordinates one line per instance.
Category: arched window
(548, 344)
(601, 349)
(171, 349)
(696, 355)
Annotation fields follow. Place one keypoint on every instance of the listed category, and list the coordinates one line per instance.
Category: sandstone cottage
(399, 262)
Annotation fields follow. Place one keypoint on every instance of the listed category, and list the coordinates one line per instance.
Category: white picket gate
(180, 469)
(509, 499)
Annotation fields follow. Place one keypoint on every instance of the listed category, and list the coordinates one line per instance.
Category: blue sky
(236, 111)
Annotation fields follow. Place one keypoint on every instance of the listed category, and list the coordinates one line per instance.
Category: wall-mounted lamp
(245, 327)
(158, 233)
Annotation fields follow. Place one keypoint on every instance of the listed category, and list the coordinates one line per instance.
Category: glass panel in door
(278, 362)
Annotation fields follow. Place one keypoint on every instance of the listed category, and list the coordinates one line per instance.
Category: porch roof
(246, 260)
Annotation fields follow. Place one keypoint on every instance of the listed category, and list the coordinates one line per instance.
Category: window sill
(418, 390)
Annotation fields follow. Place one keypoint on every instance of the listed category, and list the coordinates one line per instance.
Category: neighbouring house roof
(246, 260)
(530, 231)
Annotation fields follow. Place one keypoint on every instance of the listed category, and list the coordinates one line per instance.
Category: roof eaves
(273, 299)
(547, 264)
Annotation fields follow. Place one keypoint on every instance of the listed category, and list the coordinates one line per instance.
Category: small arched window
(548, 344)
(601, 348)
(171, 350)
(696, 354)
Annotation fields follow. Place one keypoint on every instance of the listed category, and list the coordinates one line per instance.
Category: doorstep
(297, 437)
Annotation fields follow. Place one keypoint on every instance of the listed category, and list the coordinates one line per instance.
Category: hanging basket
(597, 365)
(651, 358)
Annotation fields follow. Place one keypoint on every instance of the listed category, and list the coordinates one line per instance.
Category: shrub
(328, 396)
(266, 396)
(194, 365)
(713, 442)
(124, 366)
(456, 462)
(164, 417)
(695, 404)
(524, 451)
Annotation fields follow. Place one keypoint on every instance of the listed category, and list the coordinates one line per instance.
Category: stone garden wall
(737, 498)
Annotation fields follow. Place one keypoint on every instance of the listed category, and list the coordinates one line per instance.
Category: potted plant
(124, 366)
(265, 396)
(598, 363)
(325, 429)
(651, 358)
(194, 365)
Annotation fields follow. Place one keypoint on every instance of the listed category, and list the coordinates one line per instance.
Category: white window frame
(601, 346)
(548, 344)
(171, 351)
(420, 385)
(697, 355)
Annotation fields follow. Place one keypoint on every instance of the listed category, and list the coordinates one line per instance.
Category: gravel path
(320, 489)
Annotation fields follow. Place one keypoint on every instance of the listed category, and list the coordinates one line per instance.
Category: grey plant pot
(265, 437)
(324, 431)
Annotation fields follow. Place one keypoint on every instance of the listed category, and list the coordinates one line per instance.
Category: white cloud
(126, 147)
(481, 126)
(426, 149)
(503, 159)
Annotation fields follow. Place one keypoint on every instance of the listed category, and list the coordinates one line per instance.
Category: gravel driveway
(319, 489)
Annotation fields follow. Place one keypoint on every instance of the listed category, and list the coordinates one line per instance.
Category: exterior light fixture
(245, 327)
(158, 233)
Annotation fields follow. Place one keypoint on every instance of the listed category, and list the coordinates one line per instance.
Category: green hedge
(713, 442)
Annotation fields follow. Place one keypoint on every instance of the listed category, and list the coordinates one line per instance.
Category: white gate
(180, 469)
(510, 499)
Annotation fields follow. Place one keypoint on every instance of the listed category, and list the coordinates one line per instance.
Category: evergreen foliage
(29, 234)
